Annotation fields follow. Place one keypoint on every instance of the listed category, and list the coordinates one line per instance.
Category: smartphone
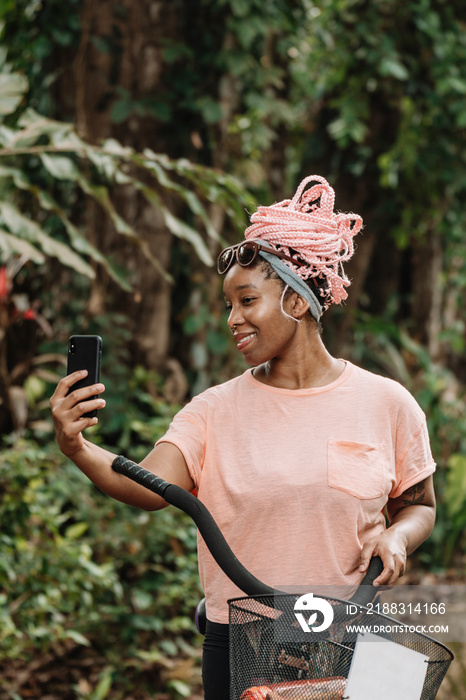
(85, 352)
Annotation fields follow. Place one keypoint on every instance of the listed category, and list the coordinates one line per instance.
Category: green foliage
(386, 348)
(138, 415)
(63, 156)
(80, 570)
(33, 31)
(393, 98)
(78, 567)
(455, 502)
(47, 172)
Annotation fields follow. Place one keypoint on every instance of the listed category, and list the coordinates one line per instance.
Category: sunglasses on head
(245, 253)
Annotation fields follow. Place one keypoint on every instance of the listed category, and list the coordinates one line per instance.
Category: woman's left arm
(411, 517)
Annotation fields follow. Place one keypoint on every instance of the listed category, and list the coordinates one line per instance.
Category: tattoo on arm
(414, 495)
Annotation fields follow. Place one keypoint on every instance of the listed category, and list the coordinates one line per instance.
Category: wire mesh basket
(272, 659)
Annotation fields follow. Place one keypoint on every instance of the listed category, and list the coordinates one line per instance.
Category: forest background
(134, 138)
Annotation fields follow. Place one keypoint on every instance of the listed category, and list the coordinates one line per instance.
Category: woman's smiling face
(261, 331)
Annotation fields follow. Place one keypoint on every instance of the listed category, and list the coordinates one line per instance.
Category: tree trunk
(427, 291)
(131, 65)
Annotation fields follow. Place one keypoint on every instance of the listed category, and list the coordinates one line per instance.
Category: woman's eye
(245, 301)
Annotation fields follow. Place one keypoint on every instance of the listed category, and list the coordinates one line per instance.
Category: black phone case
(85, 352)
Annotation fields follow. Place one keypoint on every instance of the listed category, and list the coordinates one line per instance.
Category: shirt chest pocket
(357, 468)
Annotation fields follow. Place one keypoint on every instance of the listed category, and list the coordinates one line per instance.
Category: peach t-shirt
(297, 480)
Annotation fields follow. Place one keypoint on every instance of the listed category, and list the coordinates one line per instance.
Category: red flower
(5, 285)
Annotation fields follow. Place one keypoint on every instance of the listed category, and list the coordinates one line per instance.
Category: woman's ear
(299, 306)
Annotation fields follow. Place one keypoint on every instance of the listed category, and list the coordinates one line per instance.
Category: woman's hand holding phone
(69, 408)
(75, 401)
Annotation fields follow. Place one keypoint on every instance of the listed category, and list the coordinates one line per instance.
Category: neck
(310, 366)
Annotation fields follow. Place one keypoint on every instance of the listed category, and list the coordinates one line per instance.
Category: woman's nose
(234, 318)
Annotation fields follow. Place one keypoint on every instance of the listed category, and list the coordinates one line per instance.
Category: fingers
(70, 430)
(367, 553)
(69, 409)
(390, 574)
(65, 384)
(63, 392)
(78, 411)
(69, 415)
(394, 560)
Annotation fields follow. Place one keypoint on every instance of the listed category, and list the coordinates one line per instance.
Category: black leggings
(216, 662)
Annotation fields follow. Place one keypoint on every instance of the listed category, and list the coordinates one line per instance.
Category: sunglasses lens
(246, 254)
(224, 260)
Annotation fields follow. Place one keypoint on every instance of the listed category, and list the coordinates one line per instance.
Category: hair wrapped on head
(311, 231)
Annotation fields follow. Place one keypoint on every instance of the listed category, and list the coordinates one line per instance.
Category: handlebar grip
(366, 591)
(374, 569)
(142, 476)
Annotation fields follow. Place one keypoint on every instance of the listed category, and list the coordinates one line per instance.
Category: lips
(243, 339)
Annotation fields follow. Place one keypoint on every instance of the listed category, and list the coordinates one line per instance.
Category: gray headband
(294, 281)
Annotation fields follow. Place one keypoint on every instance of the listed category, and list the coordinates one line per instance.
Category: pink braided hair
(312, 232)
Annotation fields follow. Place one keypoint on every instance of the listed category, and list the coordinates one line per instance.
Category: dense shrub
(77, 565)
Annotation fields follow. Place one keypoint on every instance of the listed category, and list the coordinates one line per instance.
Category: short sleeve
(414, 461)
(187, 432)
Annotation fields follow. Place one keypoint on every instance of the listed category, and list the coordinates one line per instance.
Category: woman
(299, 456)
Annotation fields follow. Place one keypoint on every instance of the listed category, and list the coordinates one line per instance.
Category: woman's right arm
(165, 459)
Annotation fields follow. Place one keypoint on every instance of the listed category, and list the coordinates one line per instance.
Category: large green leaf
(77, 240)
(191, 199)
(13, 245)
(176, 226)
(60, 148)
(12, 88)
(187, 233)
(33, 126)
(24, 228)
(61, 167)
(101, 195)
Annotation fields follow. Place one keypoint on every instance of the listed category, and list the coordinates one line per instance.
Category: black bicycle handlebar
(215, 541)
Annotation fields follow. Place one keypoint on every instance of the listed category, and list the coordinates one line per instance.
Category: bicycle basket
(265, 665)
